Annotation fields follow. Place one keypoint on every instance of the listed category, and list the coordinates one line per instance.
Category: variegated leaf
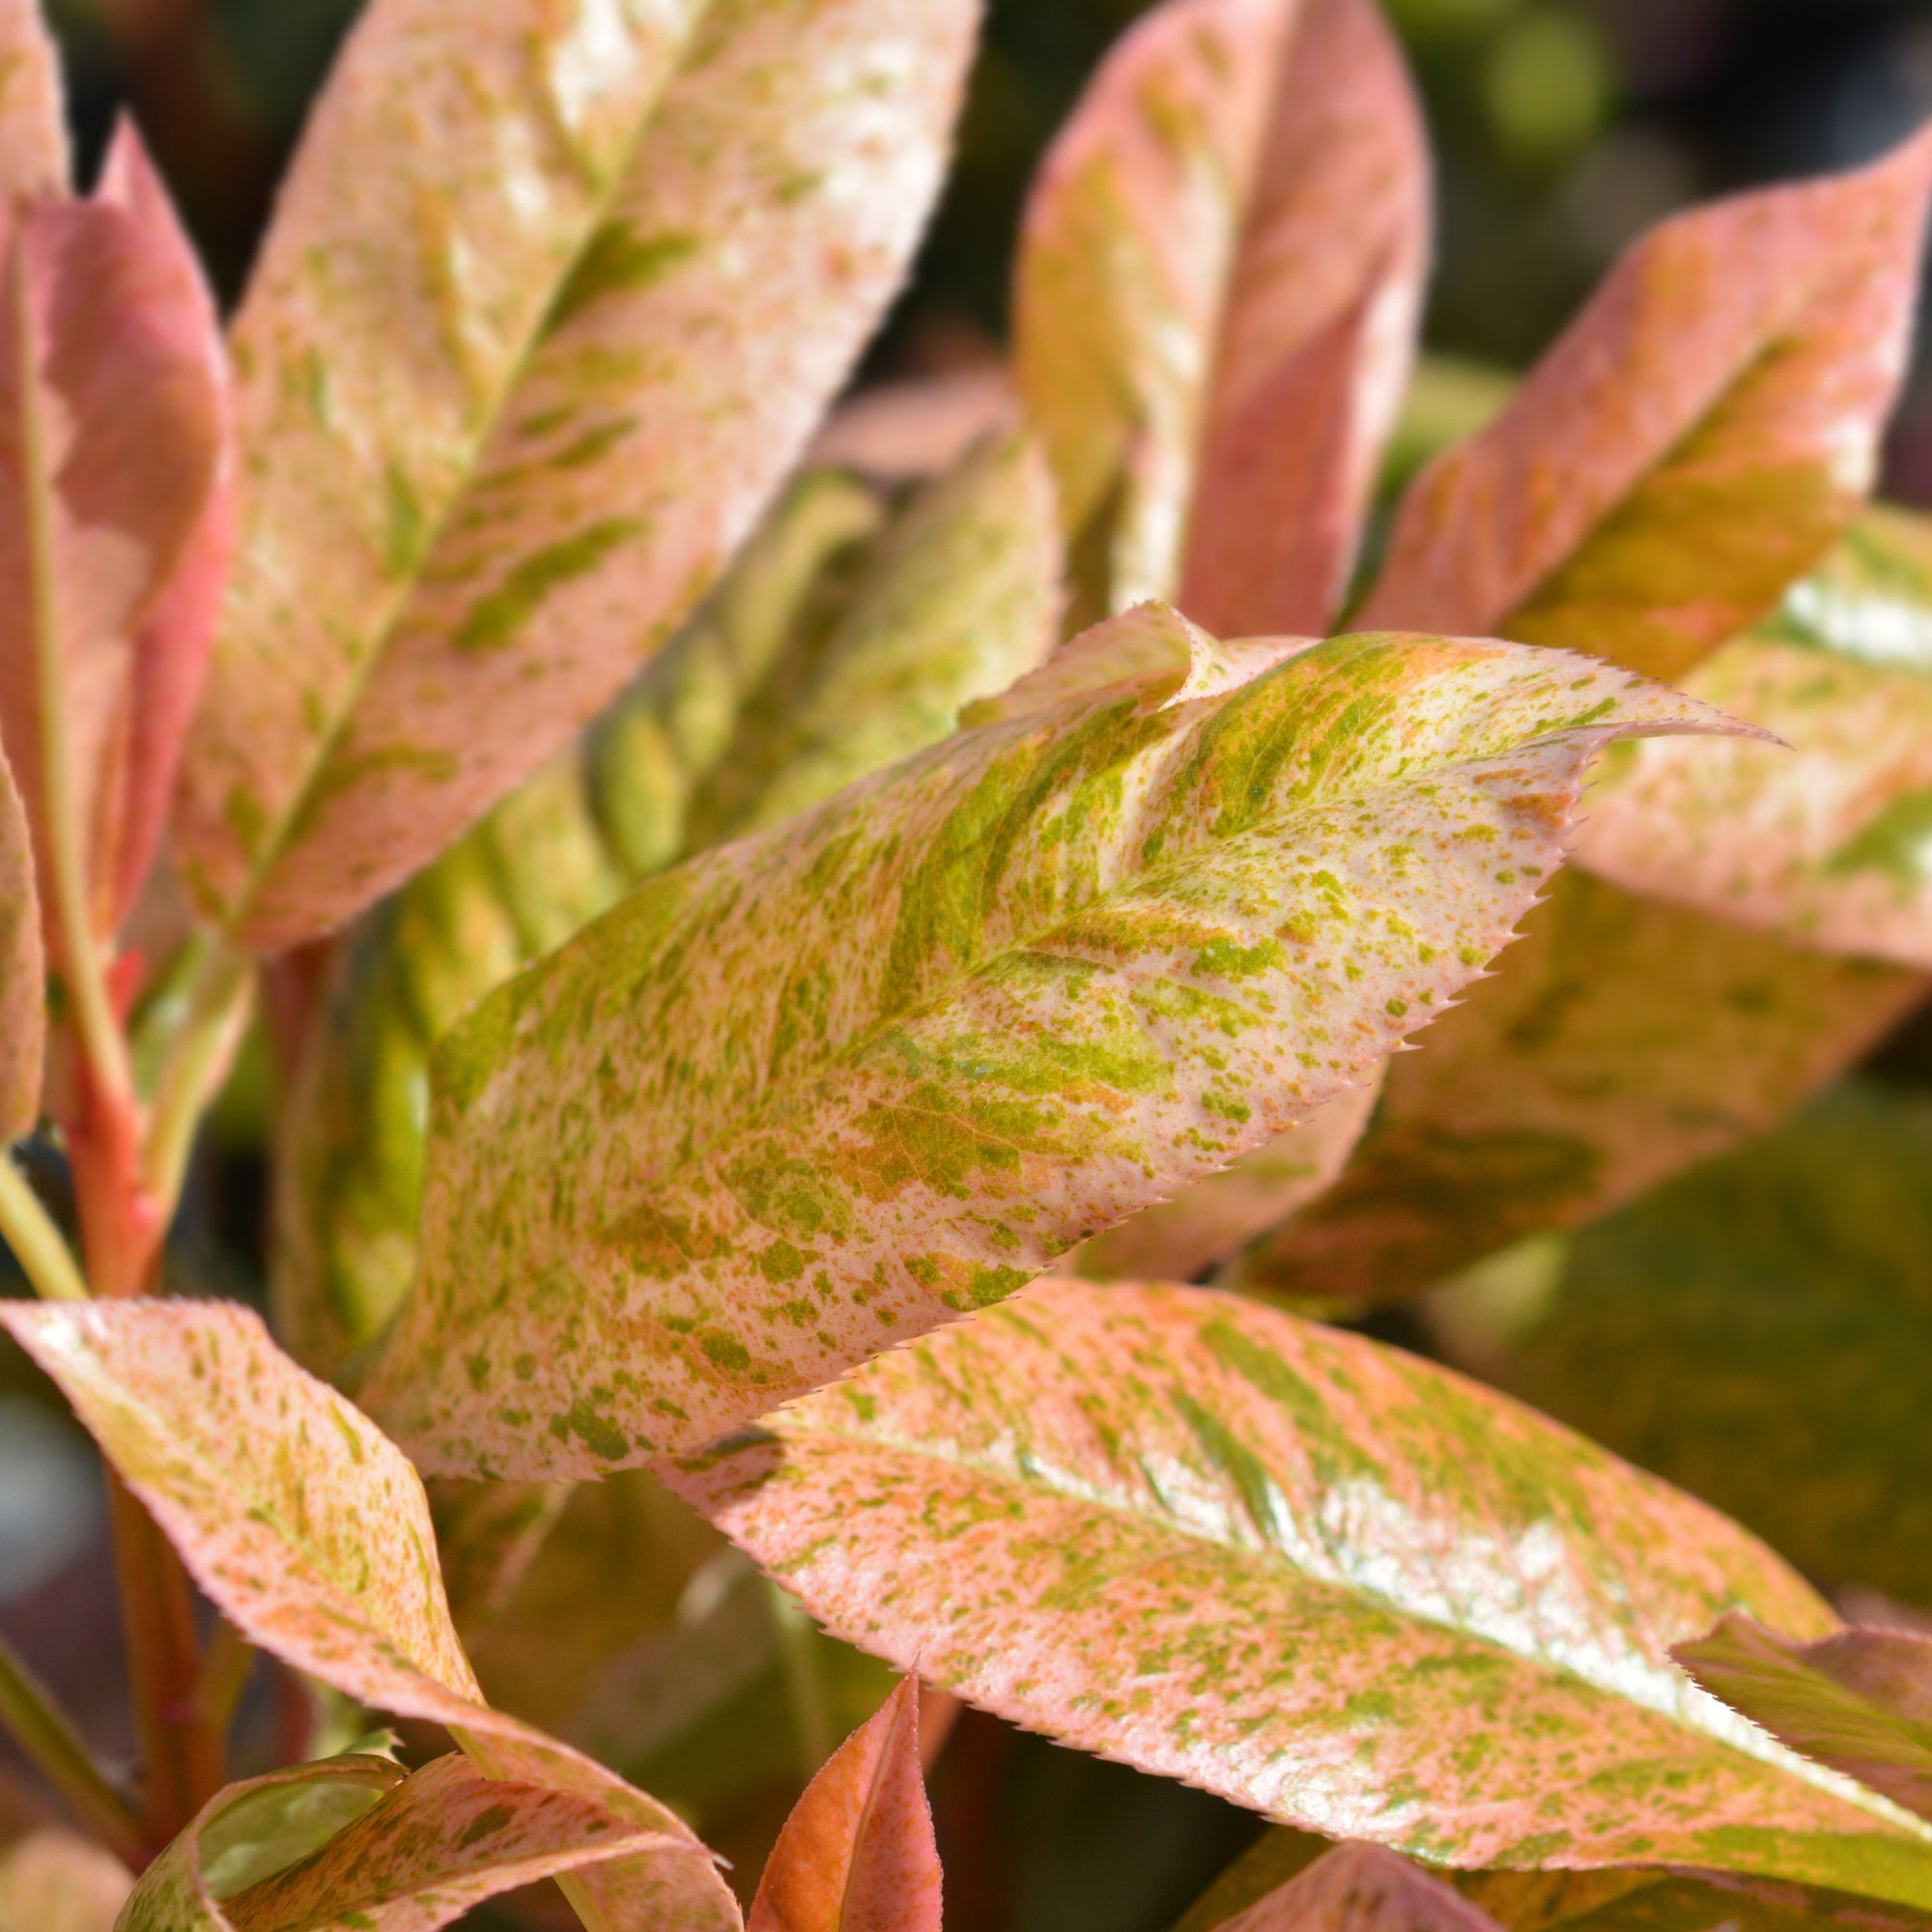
(1622, 1041)
(1215, 305)
(1860, 1701)
(417, 1857)
(1829, 842)
(23, 993)
(845, 637)
(1698, 439)
(857, 1853)
(1217, 1217)
(969, 1012)
(508, 400)
(33, 110)
(309, 1531)
(1361, 1889)
(1316, 1576)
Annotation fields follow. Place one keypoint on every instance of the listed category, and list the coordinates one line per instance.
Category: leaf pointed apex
(33, 110)
(858, 1852)
(1359, 1887)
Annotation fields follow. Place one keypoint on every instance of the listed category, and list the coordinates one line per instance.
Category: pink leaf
(857, 1854)
(1361, 1889)
(33, 114)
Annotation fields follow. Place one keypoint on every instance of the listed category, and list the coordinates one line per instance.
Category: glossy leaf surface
(510, 399)
(1361, 1889)
(857, 1854)
(1320, 1578)
(967, 1013)
(1860, 1701)
(310, 1532)
(33, 109)
(1215, 305)
(1622, 1041)
(23, 992)
(1759, 1332)
(1700, 436)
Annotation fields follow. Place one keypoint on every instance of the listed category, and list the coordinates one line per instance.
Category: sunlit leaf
(1361, 1889)
(310, 1532)
(857, 1854)
(1759, 1333)
(1698, 440)
(973, 1011)
(1316, 1576)
(1622, 1041)
(33, 110)
(508, 399)
(1860, 1701)
(23, 1011)
(1215, 303)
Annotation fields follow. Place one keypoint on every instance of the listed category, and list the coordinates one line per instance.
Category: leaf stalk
(38, 1245)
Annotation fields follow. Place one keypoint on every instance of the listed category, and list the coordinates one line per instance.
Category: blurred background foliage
(1562, 128)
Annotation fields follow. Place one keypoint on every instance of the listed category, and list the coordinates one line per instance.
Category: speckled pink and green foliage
(1318, 1577)
(508, 400)
(928, 1038)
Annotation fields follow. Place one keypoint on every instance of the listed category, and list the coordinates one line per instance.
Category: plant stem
(37, 1244)
(218, 1010)
(225, 1668)
(813, 1728)
(47, 1738)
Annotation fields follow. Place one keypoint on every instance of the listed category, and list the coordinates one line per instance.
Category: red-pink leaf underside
(23, 992)
(310, 1530)
(1215, 305)
(110, 445)
(33, 112)
(507, 402)
(965, 1014)
(430, 1847)
(1698, 437)
(1362, 1888)
(1860, 1701)
(857, 1853)
(1317, 1576)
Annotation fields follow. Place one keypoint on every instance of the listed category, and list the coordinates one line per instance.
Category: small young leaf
(508, 400)
(1316, 1576)
(967, 1013)
(51, 1878)
(311, 1533)
(857, 1854)
(1361, 1889)
(1215, 305)
(33, 110)
(1703, 433)
(23, 988)
(1621, 1042)
(1860, 1701)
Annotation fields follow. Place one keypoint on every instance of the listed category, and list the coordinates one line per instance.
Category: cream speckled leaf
(1622, 1041)
(23, 991)
(1860, 1701)
(1361, 1889)
(1698, 437)
(1318, 1577)
(846, 635)
(967, 1013)
(508, 400)
(857, 1853)
(33, 110)
(1218, 1216)
(1215, 305)
(1827, 841)
(310, 1532)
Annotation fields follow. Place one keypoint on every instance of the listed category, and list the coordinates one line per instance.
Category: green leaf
(1216, 303)
(1860, 1701)
(1698, 439)
(1760, 1333)
(846, 635)
(23, 992)
(508, 400)
(310, 1532)
(1318, 1577)
(972, 1010)
(1621, 1042)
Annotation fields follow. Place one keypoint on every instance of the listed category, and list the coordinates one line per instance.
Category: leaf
(111, 449)
(846, 635)
(1860, 1701)
(426, 1850)
(1215, 305)
(1318, 1577)
(1361, 1889)
(33, 110)
(51, 1878)
(972, 1010)
(1826, 846)
(1621, 1042)
(1698, 438)
(309, 1531)
(1759, 1332)
(23, 1000)
(1179, 1239)
(510, 400)
(857, 1853)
